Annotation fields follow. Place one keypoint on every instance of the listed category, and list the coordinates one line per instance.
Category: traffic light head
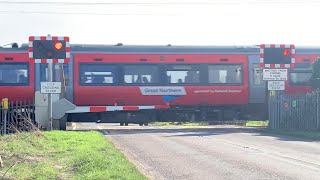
(58, 45)
(49, 49)
(277, 55)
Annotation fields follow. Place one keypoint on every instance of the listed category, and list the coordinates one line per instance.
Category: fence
(295, 112)
(18, 117)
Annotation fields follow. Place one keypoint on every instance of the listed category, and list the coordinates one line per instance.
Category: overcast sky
(161, 22)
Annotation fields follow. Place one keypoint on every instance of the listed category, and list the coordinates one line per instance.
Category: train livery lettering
(152, 91)
(218, 91)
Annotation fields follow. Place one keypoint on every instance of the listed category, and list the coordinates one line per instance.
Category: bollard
(5, 106)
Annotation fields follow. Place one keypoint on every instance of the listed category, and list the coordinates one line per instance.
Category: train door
(258, 106)
(257, 87)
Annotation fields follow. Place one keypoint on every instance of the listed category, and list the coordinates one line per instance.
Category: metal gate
(295, 112)
(17, 117)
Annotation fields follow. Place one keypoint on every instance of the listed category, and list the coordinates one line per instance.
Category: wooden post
(1, 162)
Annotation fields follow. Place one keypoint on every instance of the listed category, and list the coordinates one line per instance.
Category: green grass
(257, 123)
(161, 123)
(195, 124)
(314, 135)
(179, 123)
(63, 155)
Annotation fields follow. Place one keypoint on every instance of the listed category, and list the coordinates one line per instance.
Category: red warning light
(58, 45)
(286, 52)
(49, 54)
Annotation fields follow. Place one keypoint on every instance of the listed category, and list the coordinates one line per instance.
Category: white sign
(275, 74)
(50, 87)
(165, 90)
(276, 85)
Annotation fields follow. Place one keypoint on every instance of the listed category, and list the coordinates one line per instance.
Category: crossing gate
(295, 112)
(17, 116)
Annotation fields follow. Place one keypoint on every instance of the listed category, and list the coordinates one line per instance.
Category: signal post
(49, 50)
(275, 60)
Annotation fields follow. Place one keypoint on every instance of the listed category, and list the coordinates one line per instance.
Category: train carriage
(16, 75)
(199, 83)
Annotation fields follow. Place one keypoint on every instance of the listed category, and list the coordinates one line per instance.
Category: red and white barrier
(84, 109)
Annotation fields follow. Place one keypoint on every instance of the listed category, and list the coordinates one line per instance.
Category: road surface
(213, 152)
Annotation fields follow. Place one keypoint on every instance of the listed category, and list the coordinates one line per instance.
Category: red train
(199, 83)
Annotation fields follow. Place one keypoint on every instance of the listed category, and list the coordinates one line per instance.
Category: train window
(302, 78)
(44, 72)
(14, 74)
(301, 74)
(257, 74)
(66, 73)
(141, 74)
(97, 74)
(186, 74)
(225, 74)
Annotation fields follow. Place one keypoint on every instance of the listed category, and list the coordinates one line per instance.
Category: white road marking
(267, 152)
(74, 126)
(104, 131)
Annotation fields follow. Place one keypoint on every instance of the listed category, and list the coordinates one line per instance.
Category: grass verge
(314, 135)
(257, 123)
(63, 155)
(179, 123)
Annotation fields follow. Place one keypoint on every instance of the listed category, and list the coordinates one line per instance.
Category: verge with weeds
(179, 123)
(313, 135)
(257, 123)
(63, 155)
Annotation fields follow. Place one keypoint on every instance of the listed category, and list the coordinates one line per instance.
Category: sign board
(276, 85)
(50, 87)
(275, 74)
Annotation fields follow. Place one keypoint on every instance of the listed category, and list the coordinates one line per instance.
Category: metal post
(5, 121)
(1, 121)
(318, 106)
(50, 76)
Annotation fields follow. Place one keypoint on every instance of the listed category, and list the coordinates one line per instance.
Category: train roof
(167, 49)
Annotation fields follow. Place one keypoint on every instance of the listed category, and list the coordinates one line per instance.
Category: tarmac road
(213, 152)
